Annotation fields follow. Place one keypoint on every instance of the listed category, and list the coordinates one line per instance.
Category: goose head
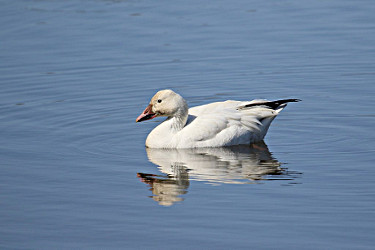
(164, 103)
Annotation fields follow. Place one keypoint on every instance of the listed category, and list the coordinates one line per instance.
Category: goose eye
(159, 100)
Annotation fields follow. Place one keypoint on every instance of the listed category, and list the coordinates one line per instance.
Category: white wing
(226, 123)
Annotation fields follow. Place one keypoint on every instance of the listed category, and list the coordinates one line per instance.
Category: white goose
(212, 125)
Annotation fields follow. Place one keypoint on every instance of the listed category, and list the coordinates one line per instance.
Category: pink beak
(147, 114)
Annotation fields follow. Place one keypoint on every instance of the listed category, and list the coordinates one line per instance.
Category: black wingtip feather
(272, 104)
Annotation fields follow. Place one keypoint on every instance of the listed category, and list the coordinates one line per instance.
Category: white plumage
(211, 125)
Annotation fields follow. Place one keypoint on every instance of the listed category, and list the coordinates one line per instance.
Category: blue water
(74, 170)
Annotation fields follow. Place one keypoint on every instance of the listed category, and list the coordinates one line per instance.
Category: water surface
(74, 169)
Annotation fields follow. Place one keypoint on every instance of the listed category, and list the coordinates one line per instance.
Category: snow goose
(212, 125)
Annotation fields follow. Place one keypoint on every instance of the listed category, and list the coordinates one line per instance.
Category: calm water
(74, 170)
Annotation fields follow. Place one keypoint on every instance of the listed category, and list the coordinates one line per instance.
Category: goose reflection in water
(236, 165)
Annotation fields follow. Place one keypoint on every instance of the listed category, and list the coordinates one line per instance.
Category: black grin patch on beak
(146, 117)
